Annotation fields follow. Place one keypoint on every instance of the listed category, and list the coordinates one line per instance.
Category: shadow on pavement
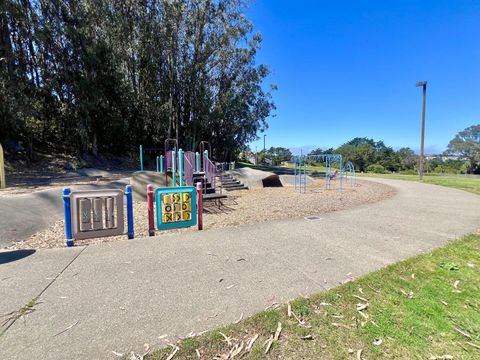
(9, 256)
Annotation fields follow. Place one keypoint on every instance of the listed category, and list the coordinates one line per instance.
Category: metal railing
(188, 167)
(210, 170)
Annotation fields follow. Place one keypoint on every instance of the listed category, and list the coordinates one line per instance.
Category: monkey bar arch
(300, 169)
(349, 173)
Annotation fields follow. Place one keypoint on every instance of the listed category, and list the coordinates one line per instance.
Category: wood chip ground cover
(241, 207)
(393, 326)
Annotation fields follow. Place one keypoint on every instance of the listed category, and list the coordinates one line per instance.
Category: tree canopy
(467, 144)
(106, 76)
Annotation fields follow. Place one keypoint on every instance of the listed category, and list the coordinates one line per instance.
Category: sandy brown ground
(242, 207)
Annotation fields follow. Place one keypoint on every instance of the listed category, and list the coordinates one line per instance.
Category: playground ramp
(254, 178)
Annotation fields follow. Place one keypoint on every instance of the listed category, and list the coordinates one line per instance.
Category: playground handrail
(210, 170)
(188, 167)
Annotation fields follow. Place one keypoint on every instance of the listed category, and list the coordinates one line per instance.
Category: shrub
(376, 168)
(409, 172)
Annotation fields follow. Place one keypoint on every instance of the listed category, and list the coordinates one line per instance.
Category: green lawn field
(458, 182)
(426, 307)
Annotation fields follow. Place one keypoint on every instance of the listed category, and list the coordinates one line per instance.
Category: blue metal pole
(161, 164)
(327, 172)
(197, 162)
(174, 170)
(128, 194)
(141, 158)
(294, 175)
(68, 217)
(341, 172)
(305, 176)
(180, 166)
(205, 158)
(157, 162)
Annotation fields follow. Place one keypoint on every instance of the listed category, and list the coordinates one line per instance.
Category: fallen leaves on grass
(359, 354)
(441, 357)
(279, 330)
(456, 283)
(341, 325)
(268, 344)
(226, 338)
(462, 332)
(378, 342)
(360, 298)
(474, 345)
(172, 354)
(251, 342)
(408, 295)
(307, 337)
(235, 350)
(361, 307)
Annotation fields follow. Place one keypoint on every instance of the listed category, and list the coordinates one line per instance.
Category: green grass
(458, 182)
(413, 308)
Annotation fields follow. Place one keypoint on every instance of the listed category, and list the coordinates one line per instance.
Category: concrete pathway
(24, 215)
(119, 296)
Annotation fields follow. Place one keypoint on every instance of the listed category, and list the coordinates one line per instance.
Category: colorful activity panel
(176, 207)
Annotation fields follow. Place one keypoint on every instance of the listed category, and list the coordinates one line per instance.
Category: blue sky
(349, 68)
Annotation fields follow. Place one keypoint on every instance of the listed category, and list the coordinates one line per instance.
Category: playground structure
(300, 170)
(349, 173)
(96, 213)
(184, 168)
(3, 184)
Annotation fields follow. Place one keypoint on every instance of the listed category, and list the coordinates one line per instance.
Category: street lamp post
(422, 155)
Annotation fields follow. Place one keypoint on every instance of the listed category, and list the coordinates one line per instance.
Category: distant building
(445, 157)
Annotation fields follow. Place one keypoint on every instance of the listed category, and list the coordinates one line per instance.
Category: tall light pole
(422, 144)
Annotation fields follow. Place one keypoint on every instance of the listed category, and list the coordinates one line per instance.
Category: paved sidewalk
(118, 296)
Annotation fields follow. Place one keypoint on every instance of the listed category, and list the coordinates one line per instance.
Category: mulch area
(242, 207)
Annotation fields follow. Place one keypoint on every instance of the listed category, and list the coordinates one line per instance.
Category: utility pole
(422, 144)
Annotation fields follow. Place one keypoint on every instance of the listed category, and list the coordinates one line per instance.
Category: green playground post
(197, 162)
(141, 158)
(161, 164)
(180, 166)
(174, 170)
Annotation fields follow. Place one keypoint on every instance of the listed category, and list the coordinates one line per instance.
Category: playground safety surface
(256, 205)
